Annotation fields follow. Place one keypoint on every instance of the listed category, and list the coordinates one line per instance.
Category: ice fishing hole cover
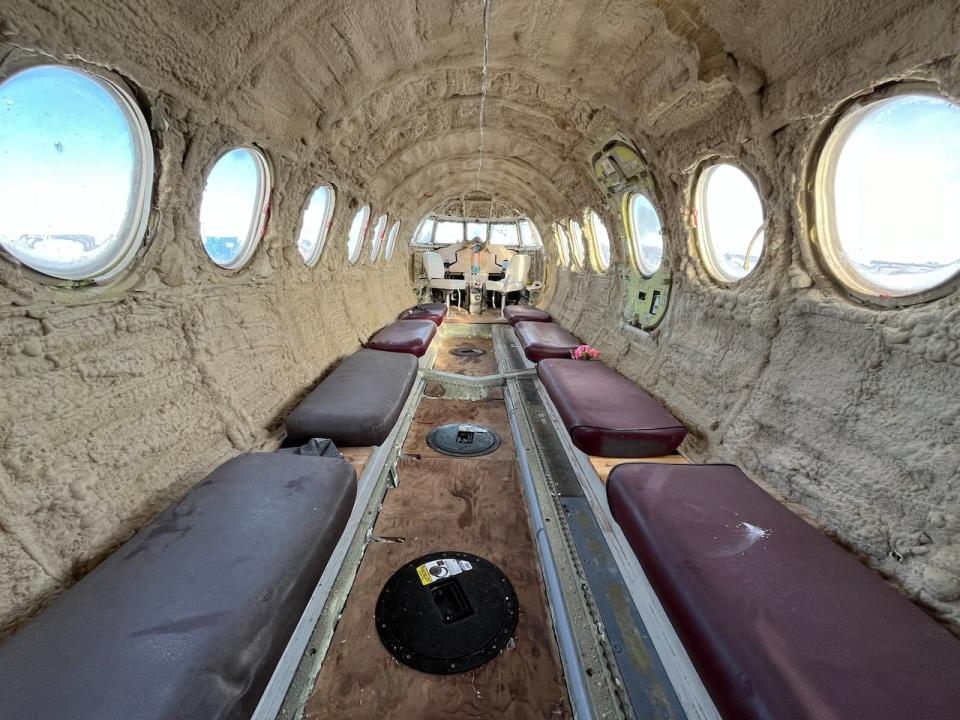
(463, 440)
(467, 351)
(446, 612)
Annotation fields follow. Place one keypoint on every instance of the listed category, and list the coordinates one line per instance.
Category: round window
(645, 233)
(233, 211)
(379, 230)
(887, 189)
(316, 224)
(358, 228)
(76, 173)
(729, 220)
(599, 239)
(391, 240)
(577, 249)
(563, 244)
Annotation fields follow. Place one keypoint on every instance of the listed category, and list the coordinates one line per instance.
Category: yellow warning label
(425, 577)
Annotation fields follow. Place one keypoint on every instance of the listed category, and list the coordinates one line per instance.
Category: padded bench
(779, 621)
(528, 313)
(357, 404)
(541, 340)
(435, 312)
(605, 413)
(405, 336)
(189, 618)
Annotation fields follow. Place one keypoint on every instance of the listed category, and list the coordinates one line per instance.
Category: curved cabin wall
(114, 401)
(849, 412)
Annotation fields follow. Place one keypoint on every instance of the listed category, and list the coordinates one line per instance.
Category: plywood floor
(488, 316)
(604, 465)
(474, 505)
(472, 366)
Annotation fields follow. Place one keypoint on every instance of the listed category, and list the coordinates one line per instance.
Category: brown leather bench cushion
(189, 618)
(434, 312)
(359, 402)
(779, 621)
(545, 340)
(519, 313)
(605, 413)
(405, 336)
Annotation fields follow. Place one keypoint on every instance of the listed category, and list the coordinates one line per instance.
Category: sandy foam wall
(115, 401)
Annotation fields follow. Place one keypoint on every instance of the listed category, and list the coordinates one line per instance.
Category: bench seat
(435, 312)
(359, 402)
(528, 313)
(605, 413)
(779, 621)
(189, 618)
(405, 336)
(541, 340)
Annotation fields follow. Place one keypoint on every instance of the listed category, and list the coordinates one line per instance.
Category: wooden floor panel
(474, 506)
(489, 316)
(358, 457)
(434, 412)
(475, 367)
(604, 465)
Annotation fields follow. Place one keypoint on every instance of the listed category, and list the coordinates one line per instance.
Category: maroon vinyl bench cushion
(405, 336)
(435, 312)
(519, 313)
(605, 413)
(779, 621)
(189, 618)
(358, 403)
(542, 340)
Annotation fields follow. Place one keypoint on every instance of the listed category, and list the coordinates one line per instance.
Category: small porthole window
(729, 222)
(578, 250)
(888, 196)
(76, 173)
(358, 228)
(316, 224)
(233, 211)
(391, 240)
(599, 240)
(644, 232)
(379, 230)
(563, 244)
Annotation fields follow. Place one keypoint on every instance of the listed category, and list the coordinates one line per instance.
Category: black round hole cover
(446, 612)
(467, 351)
(463, 440)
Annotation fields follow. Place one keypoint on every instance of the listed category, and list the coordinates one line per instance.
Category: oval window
(563, 244)
(599, 240)
(233, 211)
(888, 185)
(76, 173)
(358, 228)
(577, 249)
(391, 240)
(316, 224)
(645, 233)
(379, 230)
(729, 221)
(529, 235)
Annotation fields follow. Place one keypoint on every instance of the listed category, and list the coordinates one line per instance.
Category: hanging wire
(483, 85)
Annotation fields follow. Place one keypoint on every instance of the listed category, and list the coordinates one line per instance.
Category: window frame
(142, 186)
(365, 208)
(392, 235)
(701, 225)
(376, 241)
(633, 238)
(577, 263)
(591, 216)
(321, 240)
(561, 237)
(823, 233)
